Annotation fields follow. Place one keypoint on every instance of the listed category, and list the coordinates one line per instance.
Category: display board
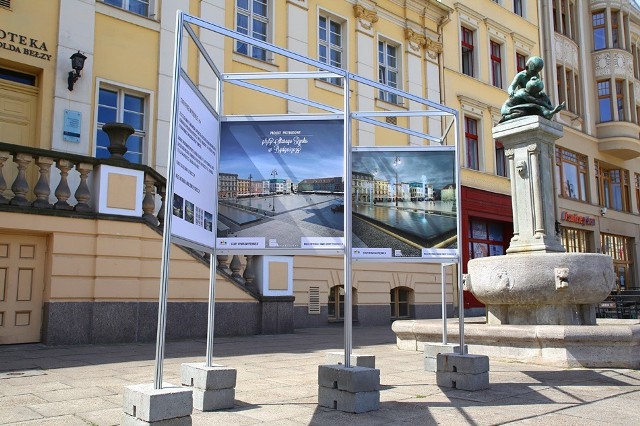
(404, 203)
(194, 203)
(281, 185)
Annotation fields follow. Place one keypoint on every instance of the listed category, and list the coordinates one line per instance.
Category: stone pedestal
(432, 350)
(144, 405)
(465, 372)
(353, 389)
(213, 387)
(359, 360)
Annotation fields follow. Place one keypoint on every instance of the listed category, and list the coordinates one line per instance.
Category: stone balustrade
(39, 181)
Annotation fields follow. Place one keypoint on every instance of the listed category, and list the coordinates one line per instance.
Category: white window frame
(250, 15)
(147, 95)
(523, 6)
(384, 95)
(327, 43)
(474, 109)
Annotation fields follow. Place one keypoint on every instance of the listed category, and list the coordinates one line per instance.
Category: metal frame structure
(186, 23)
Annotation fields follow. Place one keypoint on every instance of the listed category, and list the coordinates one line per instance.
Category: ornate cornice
(366, 17)
(416, 40)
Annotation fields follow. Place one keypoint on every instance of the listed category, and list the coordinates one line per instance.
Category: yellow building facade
(83, 228)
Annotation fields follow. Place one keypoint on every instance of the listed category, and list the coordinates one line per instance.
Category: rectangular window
(576, 240)
(599, 31)
(252, 19)
(388, 70)
(116, 105)
(615, 37)
(496, 64)
(471, 142)
(140, 7)
(501, 160)
(467, 52)
(604, 101)
(521, 62)
(620, 250)
(487, 238)
(518, 7)
(330, 45)
(571, 174)
(620, 99)
(613, 187)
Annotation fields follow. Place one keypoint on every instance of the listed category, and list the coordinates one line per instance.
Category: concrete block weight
(198, 375)
(468, 363)
(128, 420)
(350, 402)
(431, 351)
(352, 379)
(468, 382)
(145, 403)
(359, 360)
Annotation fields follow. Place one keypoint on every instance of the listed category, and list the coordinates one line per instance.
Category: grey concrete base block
(467, 364)
(214, 399)
(350, 402)
(431, 351)
(352, 379)
(128, 420)
(468, 382)
(151, 405)
(359, 360)
(198, 375)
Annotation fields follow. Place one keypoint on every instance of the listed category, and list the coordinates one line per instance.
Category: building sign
(404, 203)
(195, 157)
(576, 218)
(23, 44)
(280, 186)
(71, 129)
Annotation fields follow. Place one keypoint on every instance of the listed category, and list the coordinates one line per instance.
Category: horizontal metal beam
(279, 75)
(399, 129)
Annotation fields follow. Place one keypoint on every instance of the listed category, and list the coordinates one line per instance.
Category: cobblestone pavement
(277, 385)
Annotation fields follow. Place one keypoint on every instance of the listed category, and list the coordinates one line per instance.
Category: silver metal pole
(443, 277)
(212, 308)
(456, 128)
(348, 311)
(168, 213)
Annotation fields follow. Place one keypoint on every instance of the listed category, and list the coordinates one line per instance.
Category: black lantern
(77, 63)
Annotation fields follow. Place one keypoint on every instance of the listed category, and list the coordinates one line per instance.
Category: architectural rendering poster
(280, 185)
(194, 204)
(404, 203)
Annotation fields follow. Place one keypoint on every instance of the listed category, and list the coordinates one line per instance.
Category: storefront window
(486, 238)
(619, 248)
(576, 240)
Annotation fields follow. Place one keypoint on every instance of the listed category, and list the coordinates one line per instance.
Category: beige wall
(102, 260)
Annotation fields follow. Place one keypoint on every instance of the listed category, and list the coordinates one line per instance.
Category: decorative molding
(522, 43)
(468, 15)
(472, 106)
(566, 51)
(509, 153)
(434, 48)
(496, 30)
(366, 17)
(416, 40)
(613, 63)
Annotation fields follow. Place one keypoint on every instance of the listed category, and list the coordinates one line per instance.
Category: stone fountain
(536, 282)
(540, 300)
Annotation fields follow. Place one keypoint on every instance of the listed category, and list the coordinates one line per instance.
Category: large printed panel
(404, 203)
(280, 185)
(195, 171)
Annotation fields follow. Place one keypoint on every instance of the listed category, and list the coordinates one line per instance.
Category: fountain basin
(541, 288)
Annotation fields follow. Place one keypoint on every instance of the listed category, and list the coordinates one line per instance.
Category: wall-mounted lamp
(77, 63)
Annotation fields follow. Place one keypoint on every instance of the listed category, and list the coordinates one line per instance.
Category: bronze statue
(527, 95)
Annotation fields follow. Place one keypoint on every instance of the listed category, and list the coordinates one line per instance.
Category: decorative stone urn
(118, 134)
(536, 282)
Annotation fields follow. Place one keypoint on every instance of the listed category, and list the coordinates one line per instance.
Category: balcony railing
(60, 184)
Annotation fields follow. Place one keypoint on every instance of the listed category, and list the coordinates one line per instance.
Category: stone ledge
(611, 343)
